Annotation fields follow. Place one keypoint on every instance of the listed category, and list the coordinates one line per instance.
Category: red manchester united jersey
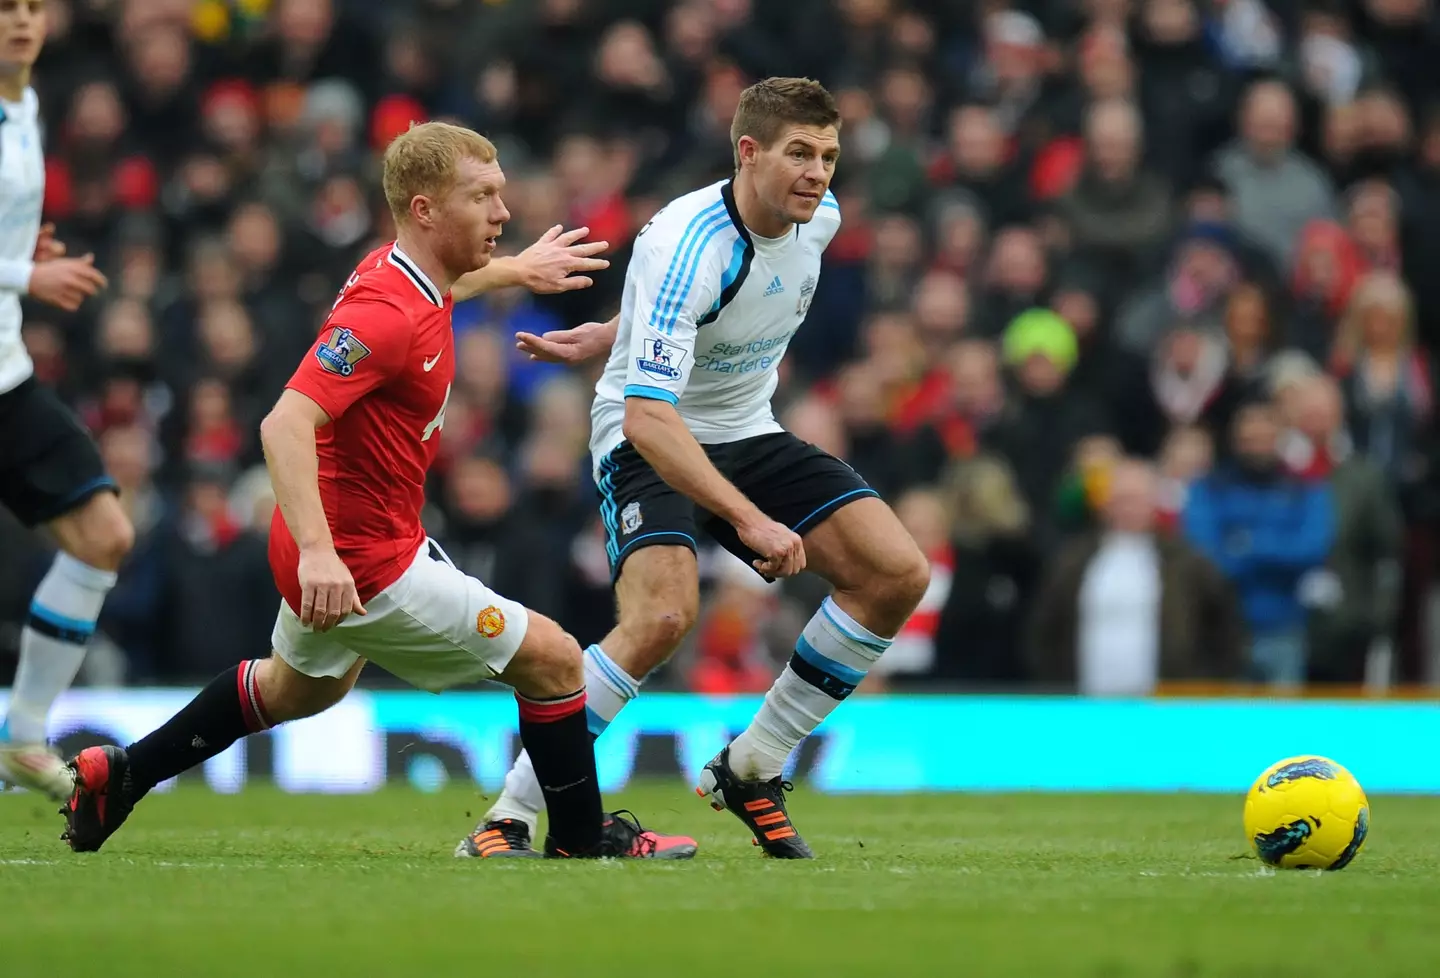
(382, 369)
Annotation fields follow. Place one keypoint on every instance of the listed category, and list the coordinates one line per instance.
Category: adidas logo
(775, 288)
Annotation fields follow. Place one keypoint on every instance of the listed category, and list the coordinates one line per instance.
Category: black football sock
(563, 754)
(223, 712)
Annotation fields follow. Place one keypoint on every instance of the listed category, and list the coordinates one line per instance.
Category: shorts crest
(341, 352)
(490, 622)
(631, 518)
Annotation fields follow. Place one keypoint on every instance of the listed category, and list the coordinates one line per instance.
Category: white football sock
(52, 644)
(607, 689)
(831, 658)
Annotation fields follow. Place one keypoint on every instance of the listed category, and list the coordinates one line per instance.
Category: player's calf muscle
(291, 695)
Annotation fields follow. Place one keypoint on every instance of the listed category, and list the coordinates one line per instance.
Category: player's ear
(422, 210)
(749, 148)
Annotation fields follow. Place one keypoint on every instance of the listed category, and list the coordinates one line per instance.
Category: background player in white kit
(50, 470)
(683, 436)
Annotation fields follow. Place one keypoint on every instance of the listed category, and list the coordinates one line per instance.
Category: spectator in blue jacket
(1266, 530)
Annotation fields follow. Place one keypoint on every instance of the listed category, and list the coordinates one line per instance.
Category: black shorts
(790, 480)
(49, 464)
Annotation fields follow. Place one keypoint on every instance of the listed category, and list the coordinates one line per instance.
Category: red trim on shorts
(549, 711)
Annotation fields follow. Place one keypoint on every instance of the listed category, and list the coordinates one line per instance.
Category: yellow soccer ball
(1307, 813)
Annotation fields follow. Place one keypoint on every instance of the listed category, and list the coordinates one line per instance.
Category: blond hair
(983, 499)
(422, 162)
(1380, 288)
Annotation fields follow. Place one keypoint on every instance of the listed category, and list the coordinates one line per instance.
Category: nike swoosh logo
(566, 787)
(429, 365)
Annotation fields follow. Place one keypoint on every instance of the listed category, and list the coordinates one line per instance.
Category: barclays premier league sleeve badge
(341, 352)
(662, 360)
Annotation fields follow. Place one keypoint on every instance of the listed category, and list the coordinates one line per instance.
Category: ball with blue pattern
(1306, 813)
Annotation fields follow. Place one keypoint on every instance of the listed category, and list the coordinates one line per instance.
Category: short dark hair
(768, 106)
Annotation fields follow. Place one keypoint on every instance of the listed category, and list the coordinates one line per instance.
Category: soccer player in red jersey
(348, 446)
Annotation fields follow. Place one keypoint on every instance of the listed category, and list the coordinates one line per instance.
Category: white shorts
(434, 628)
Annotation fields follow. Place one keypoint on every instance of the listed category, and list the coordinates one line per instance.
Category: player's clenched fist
(327, 591)
(66, 282)
(782, 553)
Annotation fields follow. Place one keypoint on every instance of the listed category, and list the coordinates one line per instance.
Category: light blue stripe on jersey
(829, 200)
(728, 277)
(695, 255)
(653, 393)
(677, 260)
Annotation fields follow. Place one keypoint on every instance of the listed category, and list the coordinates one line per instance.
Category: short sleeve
(363, 345)
(671, 288)
(827, 218)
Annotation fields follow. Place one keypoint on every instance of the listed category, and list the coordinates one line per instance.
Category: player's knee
(548, 663)
(99, 534)
(912, 580)
(894, 588)
(659, 630)
(118, 541)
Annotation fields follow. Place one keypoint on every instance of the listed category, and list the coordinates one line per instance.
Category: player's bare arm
(659, 434)
(570, 346)
(288, 437)
(555, 263)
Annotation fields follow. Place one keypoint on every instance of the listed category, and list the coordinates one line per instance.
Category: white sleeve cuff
(15, 275)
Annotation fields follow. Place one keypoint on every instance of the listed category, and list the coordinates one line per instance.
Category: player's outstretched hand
(46, 247)
(66, 282)
(569, 346)
(782, 553)
(556, 261)
(327, 591)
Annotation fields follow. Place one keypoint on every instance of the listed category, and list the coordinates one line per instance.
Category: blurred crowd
(1129, 316)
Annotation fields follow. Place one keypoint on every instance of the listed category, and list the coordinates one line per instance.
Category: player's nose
(502, 213)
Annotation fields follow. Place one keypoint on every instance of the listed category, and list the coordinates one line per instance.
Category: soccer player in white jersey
(50, 470)
(683, 438)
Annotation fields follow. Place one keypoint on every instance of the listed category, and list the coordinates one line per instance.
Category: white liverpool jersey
(22, 193)
(708, 311)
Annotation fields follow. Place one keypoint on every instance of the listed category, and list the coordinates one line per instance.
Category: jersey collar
(418, 278)
(727, 194)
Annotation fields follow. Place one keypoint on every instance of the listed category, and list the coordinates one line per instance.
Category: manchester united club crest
(341, 351)
(490, 622)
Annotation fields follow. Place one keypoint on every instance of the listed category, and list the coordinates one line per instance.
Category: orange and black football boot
(759, 804)
(100, 802)
(503, 838)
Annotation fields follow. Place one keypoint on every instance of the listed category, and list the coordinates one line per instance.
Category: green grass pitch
(263, 883)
